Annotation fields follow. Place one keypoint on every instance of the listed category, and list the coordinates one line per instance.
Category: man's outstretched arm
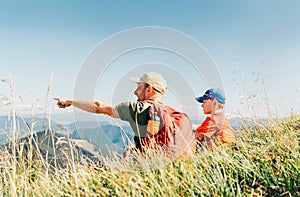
(93, 106)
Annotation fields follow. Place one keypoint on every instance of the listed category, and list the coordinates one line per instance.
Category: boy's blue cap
(212, 94)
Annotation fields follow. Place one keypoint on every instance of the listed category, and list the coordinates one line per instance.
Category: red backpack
(175, 134)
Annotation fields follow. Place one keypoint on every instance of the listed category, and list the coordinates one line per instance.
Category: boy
(215, 129)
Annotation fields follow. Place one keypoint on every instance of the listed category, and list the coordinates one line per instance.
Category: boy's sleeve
(204, 127)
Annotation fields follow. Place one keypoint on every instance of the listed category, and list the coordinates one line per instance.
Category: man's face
(140, 91)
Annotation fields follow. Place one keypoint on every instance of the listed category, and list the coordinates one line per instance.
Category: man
(151, 86)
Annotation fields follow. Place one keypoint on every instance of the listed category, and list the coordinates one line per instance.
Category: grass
(264, 162)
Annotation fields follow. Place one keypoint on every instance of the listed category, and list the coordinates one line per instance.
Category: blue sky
(40, 39)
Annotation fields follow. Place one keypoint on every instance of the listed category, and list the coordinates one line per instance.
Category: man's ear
(151, 90)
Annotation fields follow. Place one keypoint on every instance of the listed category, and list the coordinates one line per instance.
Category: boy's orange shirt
(209, 127)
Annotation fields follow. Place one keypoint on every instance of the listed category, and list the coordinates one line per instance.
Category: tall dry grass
(264, 162)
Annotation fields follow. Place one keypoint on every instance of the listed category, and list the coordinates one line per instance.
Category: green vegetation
(264, 162)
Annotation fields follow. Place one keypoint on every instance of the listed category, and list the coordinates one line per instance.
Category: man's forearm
(94, 106)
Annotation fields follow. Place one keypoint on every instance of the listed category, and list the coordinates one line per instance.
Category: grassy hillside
(264, 162)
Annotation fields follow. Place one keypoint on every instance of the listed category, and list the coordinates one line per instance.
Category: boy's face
(207, 106)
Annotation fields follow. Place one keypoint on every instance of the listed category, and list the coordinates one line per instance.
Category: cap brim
(135, 79)
(200, 99)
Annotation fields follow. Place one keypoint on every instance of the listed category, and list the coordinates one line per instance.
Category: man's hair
(156, 90)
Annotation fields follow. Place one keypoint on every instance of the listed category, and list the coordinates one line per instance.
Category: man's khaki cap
(154, 79)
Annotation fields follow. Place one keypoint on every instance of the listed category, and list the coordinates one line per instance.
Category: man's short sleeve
(135, 111)
(124, 111)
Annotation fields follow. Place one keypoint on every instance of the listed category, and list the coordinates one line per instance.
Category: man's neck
(155, 98)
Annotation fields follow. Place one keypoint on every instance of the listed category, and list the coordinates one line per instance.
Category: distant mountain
(85, 125)
(114, 137)
(24, 125)
(102, 133)
(56, 149)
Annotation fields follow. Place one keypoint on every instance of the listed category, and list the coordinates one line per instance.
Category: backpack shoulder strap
(215, 135)
(155, 107)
